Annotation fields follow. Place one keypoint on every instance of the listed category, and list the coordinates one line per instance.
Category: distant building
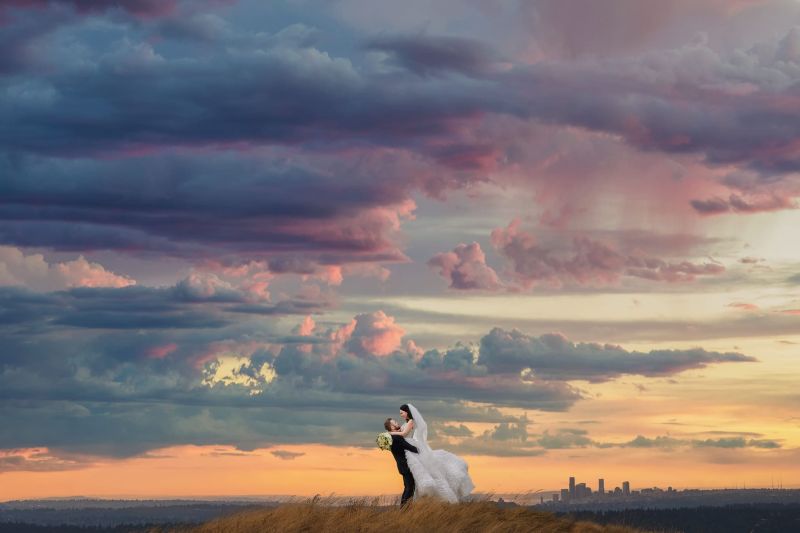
(626, 488)
(555, 497)
(582, 491)
(572, 486)
(601, 486)
(564, 495)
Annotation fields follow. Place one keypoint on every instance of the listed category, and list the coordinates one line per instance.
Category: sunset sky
(236, 235)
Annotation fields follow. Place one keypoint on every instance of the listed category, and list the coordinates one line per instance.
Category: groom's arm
(410, 447)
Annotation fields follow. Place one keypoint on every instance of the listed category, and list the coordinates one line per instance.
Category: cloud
(552, 356)
(260, 212)
(144, 8)
(207, 286)
(198, 377)
(737, 204)
(34, 272)
(744, 306)
(671, 443)
(510, 431)
(141, 307)
(511, 439)
(564, 438)
(465, 267)
(38, 460)
(254, 156)
(430, 54)
(374, 333)
(653, 101)
(455, 431)
(587, 262)
(287, 455)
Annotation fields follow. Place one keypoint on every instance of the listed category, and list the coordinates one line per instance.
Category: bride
(436, 473)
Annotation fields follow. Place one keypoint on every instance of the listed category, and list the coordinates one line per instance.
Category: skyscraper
(626, 488)
(601, 486)
(572, 487)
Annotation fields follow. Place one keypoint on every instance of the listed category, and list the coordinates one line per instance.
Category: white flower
(384, 441)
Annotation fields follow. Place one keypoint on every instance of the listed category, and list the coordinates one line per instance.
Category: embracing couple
(425, 472)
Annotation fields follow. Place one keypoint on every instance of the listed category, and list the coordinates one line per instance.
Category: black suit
(399, 447)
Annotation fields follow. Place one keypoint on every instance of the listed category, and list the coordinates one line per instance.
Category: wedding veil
(420, 429)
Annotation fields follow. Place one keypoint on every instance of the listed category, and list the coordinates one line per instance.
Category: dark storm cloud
(18, 39)
(288, 92)
(110, 151)
(178, 205)
(136, 7)
(136, 99)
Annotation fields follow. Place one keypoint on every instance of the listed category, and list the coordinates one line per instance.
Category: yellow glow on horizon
(220, 471)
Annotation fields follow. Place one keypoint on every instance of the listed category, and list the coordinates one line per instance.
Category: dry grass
(423, 516)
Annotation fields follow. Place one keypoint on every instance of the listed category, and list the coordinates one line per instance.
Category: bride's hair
(405, 408)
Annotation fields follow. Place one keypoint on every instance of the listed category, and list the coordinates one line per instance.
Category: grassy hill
(424, 516)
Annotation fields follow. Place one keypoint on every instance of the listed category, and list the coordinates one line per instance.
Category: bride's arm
(406, 431)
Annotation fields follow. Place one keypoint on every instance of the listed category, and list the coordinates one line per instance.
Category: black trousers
(408, 488)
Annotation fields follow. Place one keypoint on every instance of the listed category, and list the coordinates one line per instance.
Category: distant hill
(423, 516)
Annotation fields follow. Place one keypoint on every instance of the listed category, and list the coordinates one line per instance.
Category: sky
(236, 235)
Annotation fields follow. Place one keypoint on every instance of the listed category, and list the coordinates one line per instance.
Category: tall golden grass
(422, 516)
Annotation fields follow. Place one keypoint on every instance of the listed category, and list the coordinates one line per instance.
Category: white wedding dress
(437, 473)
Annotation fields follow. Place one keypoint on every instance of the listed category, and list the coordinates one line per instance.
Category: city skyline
(236, 235)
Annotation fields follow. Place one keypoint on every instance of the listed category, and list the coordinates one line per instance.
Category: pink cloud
(34, 272)
(744, 306)
(82, 273)
(330, 274)
(306, 328)
(413, 350)
(465, 267)
(575, 28)
(370, 234)
(372, 270)
(374, 333)
(160, 352)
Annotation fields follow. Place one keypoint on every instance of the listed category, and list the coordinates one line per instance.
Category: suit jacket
(399, 446)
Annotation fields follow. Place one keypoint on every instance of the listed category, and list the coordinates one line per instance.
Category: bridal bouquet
(384, 441)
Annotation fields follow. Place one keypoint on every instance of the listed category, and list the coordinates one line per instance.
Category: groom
(399, 445)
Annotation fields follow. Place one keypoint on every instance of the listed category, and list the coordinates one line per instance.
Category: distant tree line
(19, 527)
(746, 518)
